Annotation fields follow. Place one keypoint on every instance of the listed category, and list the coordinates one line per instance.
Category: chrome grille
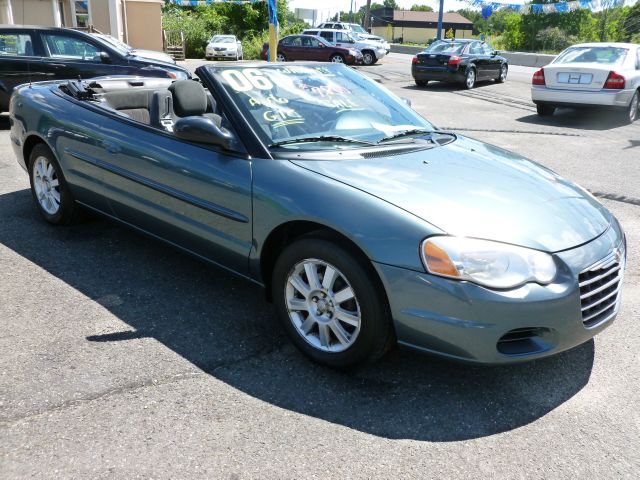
(600, 289)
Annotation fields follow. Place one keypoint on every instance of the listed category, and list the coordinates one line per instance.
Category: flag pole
(273, 30)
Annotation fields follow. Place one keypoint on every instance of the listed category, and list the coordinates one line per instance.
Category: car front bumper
(566, 97)
(443, 74)
(221, 54)
(467, 322)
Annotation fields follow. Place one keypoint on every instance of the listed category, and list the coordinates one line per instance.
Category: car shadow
(578, 118)
(223, 325)
(449, 87)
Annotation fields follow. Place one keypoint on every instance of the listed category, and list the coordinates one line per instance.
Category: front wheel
(337, 59)
(545, 110)
(368, 58)
(634, 107)
(470, 79)
(49, 188)
(503, 74)
(330, 304)
(281, 58)
(422, 83)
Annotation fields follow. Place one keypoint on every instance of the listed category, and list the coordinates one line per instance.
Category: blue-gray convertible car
(365, 224)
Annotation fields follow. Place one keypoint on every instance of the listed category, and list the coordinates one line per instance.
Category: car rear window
(446, 47)
(604, 55)
(16, 44)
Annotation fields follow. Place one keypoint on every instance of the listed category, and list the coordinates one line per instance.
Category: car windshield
(604, 55)
(222, 39)
(446, 47)
(115, 43)
(357, 28)
(333, 104)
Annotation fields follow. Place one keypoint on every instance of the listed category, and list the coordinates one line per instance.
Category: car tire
(368, 57)
(470, 78)
(633, 111)
(337, 58)
(504, 70)
(352, 322)
(280, 57)
(422, 83)
(545, 110)
(50, 190)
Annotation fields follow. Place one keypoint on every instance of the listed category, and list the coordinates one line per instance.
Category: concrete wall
(144, 24)
(33, 12)
(513, 58)
(413, 35)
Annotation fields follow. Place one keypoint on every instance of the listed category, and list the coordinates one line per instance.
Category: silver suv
(355, 30)
(371, 51)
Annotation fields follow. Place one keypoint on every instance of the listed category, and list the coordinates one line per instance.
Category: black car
(460, 61)
(33, 54)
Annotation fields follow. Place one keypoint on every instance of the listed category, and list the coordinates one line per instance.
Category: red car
(310, 47)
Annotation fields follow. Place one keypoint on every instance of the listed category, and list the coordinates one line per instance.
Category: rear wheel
(545, 110)
(368, 57)
(337, 58)
(633, 110)
(470, 80)
(503, 74)
(422, 83)
(50, 190)
(329, 304)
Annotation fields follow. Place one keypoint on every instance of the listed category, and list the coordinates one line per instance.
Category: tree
(421, 8)
(390, 4)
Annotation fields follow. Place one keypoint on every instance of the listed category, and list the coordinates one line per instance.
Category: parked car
(356, 30)
(310, 47)
(591, 74)
(137, 52)
(31, 54)
(224, 47)
(459, 61)
(371, 51)
(365, 224)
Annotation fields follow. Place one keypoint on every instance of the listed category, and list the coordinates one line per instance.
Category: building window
(61, 13)
(81, 13)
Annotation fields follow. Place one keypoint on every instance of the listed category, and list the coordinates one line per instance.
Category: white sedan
(224, 46)
(591, 74)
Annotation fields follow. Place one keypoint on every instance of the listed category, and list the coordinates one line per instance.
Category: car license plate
(576, 78)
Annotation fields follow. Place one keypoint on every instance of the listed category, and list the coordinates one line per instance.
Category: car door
(493, 62)
(194, 196)
(71, 56)
(20, 61)
(315, 50)
(344, 40)
(477, 58)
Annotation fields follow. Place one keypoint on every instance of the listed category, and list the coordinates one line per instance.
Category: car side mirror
(104, 57)
(202, 130)
(494, 53)
(406, 100)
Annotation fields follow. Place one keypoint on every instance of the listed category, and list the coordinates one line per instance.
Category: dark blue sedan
(365, 224)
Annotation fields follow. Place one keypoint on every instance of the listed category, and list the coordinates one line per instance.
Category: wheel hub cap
(322, 306)
(46, 185)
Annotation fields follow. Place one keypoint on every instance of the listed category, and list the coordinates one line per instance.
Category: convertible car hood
(472, 189)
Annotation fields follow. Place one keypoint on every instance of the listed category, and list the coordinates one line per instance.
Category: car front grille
(600, 289)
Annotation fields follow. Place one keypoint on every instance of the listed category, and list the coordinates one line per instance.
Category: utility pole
(351, 12)
(367, 16)
(440, 19)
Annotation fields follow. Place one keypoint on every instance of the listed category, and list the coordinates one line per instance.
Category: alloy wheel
(367, 58)
(322, 305)
(337, 59)
(280, 58)
(503, 73)
(46, 185)
(471, 78)
(634, 107)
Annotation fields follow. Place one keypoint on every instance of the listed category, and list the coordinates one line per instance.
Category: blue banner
(197, 3)
(488, 7)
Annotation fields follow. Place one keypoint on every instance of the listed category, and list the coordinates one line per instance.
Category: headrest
(189, 98)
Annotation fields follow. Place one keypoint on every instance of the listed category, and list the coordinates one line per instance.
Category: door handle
(57, 64)
(111, 147)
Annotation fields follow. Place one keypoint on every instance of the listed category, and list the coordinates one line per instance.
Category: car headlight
(492, 264)
(353, 52)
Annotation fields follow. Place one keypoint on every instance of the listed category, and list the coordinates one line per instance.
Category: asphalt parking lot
(123, 358)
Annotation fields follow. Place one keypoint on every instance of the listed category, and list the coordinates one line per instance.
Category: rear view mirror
(202, 130)
(104, 57)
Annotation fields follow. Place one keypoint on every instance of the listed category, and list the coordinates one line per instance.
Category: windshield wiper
(417, 131)
(321, 138)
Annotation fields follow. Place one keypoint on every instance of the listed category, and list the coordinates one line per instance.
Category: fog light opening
(525, 341)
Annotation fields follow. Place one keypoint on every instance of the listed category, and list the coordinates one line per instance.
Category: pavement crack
(617, 198)
(205, 370)
(498, 130)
